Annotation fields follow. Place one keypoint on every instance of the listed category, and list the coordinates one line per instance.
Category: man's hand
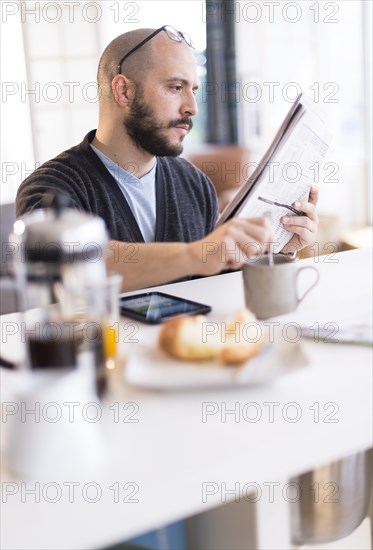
(229, 246)
(303, 227)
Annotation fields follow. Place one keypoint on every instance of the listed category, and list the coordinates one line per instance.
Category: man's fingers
(308, 208)
(261, 233)
(245, 242)
(257, 228)
(233, 243)
(314, 195)
(305, 233)
(290, 222)
(241, 239)
(303, 227)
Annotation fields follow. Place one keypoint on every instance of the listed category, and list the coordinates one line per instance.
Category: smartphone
(155, 307)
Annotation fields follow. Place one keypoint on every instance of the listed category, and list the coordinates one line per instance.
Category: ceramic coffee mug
(273, 290)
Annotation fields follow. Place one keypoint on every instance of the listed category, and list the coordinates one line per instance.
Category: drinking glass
(94, 310)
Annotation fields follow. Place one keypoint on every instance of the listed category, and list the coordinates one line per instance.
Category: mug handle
(313, 284)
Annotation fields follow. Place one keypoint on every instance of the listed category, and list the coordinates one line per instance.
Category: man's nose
(189, 106)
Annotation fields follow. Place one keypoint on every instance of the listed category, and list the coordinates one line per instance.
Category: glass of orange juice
(110, 320)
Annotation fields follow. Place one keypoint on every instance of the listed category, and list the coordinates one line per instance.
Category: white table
(171, 453)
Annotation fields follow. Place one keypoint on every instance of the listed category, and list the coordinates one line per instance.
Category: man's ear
(123, 90)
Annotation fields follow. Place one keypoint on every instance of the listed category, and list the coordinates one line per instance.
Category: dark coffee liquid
(54, 346)
(53, 354)
(62, 351)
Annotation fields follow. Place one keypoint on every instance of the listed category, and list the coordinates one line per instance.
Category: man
(128, 171)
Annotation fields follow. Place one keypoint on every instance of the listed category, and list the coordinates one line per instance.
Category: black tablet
(155, 307)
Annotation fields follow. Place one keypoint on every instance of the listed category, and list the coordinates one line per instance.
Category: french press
(58, 251)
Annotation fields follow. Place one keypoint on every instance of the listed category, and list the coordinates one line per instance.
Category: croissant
(233, 343)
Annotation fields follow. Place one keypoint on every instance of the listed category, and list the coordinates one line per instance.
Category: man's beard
(147, 133)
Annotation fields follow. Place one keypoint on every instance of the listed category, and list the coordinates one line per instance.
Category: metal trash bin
(333, 500)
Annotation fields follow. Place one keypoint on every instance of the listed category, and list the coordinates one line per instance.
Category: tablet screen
(157, 306)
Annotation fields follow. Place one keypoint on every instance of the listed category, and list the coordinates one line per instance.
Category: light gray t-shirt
(139, 193)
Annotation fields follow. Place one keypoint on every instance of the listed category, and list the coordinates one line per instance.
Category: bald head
(139, 63)
(134, 67)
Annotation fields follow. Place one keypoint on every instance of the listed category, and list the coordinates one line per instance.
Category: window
(317, 48)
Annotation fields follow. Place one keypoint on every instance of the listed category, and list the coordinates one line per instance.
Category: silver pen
(288, 206)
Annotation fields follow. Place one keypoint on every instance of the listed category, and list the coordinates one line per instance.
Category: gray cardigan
(186, 203)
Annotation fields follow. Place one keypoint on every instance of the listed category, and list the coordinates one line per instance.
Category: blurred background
(260, 55)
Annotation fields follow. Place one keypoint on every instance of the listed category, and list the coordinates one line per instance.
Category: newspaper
(287, 170)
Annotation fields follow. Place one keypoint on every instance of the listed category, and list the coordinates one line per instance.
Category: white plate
(149, 367)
